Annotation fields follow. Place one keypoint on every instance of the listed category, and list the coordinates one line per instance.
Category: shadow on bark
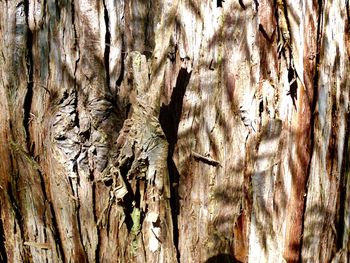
(169, 118)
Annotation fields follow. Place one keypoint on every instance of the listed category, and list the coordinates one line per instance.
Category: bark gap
(3, 254)
(56, 233)
(97, 251)
(343, 183)
(29, 95)
(54, 226)
(42, 184)
(107, 44)
(77, 207)
(58, 10)
(74, 28)
(19, 220)
(122, 68)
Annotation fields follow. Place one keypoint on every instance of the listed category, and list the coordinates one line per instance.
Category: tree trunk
(174, 131)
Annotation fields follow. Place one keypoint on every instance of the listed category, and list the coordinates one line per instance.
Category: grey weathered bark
(174, 131)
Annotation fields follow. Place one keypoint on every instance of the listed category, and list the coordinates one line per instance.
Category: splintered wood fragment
(205, 159)
(38, 245)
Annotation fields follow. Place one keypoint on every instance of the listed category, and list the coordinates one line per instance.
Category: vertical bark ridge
(329, 134)
(315, 82)
(343, 236)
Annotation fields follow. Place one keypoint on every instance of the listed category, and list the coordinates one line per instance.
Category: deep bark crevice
(130, 197)
(58, 10)
(54, 226)
(265, 35)
(44, 9)
(3, 254)
(44, 220)
(169, 119)
(345, 170)
(55, 232)
(149, 34)
(77, 207)
(293, 86)
(74, 182)
(19, 220)
(74, 26)
(122, 68)
(107, 44)
(219, 3)
(94, 209)
(242, 4)
(27, 104)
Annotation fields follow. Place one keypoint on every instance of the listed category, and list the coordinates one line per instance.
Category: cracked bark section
(139, 175)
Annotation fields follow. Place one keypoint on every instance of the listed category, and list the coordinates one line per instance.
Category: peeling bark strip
(116, 116)
(205, 159)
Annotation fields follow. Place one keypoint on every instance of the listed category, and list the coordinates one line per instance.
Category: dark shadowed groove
(56, 234)
(149, 30)
(313, 117)
(347, 6)
(44, 9)
(19, 220)
(222, 258)
(107, 44)
(94, 209)
(77, 208)
(27, 104)
(256, 2)
(344, 177)
(77, 124)
(77, 203)
(73, 25)
(169, 119)
(58, 11)
(54, 227)
(3, 255)
(242, 4)
(122, 68)
(130, 196)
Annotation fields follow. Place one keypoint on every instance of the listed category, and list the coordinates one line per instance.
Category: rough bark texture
(174, 131)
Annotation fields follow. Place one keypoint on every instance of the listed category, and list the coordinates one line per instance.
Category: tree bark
(174, 131)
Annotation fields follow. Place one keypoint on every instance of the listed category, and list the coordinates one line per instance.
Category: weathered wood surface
(174, 131)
